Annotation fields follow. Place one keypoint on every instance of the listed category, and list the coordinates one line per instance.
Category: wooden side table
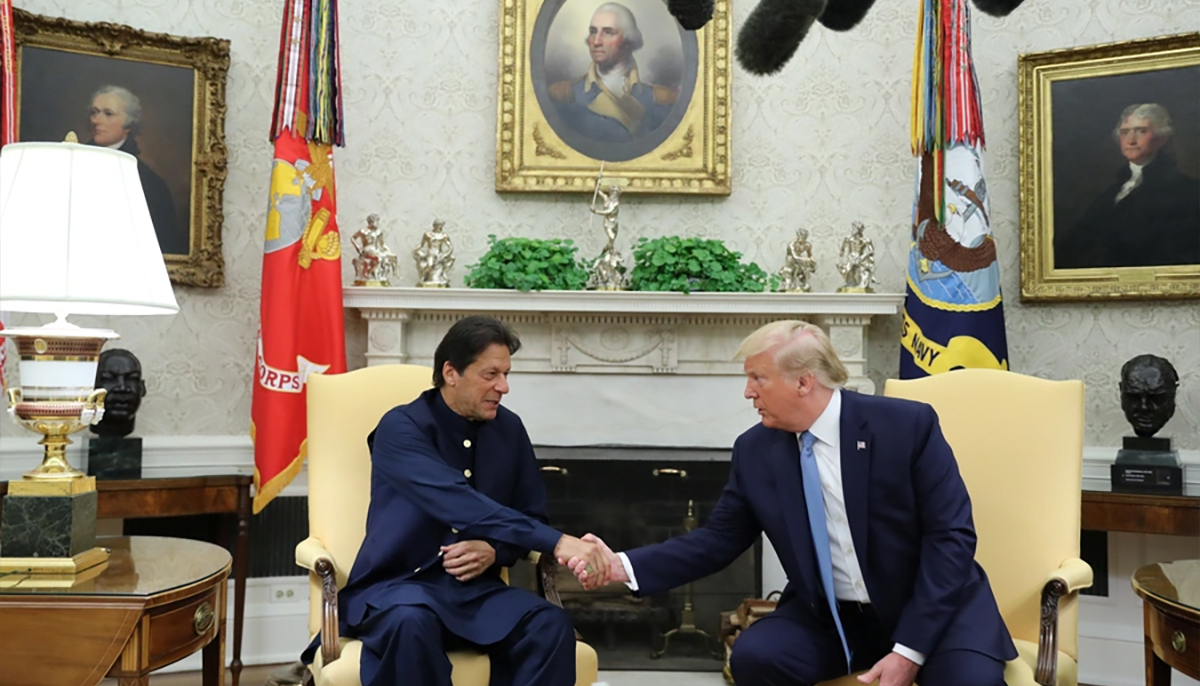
(1170, 594)
(155, 601)
(193, 495)
(1174, 515)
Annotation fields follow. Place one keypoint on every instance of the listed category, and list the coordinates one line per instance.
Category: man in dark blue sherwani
(455, 496)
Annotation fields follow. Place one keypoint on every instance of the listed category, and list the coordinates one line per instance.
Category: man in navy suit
(455, 496)
(861, 497)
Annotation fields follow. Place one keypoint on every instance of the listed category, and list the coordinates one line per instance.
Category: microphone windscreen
(692, 15)
(773, 31)
(843, 15)
(998, 8)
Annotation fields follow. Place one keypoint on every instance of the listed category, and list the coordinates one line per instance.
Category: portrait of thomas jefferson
(115, 116)
(1149, 213)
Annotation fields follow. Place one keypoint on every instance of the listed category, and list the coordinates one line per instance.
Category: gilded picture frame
(158, 97)
(662, 127)
(1109, 203)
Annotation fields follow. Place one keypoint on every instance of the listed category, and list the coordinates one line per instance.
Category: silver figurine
(376, 263)
(856, 262)
(435, 257)
(798, 265)
(608, 271)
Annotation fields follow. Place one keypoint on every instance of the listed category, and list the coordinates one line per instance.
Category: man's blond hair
(800, 348)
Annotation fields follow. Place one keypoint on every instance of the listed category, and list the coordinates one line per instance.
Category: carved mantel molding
(616, 332)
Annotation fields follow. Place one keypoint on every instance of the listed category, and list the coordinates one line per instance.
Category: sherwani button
(467, 473)
(453, 531)
(467, 443)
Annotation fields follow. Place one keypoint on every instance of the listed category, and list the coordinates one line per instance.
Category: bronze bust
(120, 373)
(1148, 385)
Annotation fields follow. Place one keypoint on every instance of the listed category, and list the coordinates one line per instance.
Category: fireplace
(632, 497)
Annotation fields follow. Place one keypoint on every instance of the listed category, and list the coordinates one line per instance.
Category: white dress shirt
(848, 581)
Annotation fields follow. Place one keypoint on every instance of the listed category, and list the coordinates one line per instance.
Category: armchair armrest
(1072, 575)
(547, 567)
(312, 555)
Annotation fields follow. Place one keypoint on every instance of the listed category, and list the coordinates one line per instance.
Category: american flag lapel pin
(862, 445)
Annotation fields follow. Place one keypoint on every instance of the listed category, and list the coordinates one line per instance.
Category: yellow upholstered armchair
(1019, 445)
(342, 410)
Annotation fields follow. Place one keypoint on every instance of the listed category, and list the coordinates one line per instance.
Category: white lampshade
(76, 235)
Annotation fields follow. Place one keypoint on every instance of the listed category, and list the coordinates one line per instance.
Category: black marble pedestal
(48, 525)
(114, 457)
(1147, 465)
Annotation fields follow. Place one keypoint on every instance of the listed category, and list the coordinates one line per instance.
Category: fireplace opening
(632, 497)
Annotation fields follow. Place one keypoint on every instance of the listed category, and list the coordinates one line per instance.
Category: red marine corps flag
(300, 330)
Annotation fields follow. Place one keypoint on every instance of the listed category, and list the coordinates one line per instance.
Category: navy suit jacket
(422, 498)
(909, 515)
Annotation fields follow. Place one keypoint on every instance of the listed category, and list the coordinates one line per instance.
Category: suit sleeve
(529, 498)
(947, 551)
(731, 529)
(407, 459)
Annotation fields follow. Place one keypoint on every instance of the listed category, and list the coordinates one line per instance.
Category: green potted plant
(528, 264)
(671, 263)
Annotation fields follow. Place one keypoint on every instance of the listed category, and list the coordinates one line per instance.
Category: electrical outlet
(283, 593)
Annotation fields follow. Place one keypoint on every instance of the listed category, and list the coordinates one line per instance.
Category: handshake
(590, 560)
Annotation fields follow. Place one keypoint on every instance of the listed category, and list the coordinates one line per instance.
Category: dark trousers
(407, 644)
(782, 649)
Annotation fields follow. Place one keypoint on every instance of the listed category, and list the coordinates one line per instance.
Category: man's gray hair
(800, 348)
(626, 22)
(1159, 117)
(133, 106)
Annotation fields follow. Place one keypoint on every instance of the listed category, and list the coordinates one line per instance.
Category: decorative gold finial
(71, 137)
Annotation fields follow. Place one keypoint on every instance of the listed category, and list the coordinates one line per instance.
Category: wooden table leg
(214, 658)
(241, 564)
(1158, 673)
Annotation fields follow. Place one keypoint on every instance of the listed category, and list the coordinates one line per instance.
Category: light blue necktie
(815, 501)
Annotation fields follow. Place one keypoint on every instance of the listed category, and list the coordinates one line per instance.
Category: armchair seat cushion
(469, 668)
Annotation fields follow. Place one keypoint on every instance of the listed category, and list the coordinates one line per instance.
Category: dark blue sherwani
(438, 478)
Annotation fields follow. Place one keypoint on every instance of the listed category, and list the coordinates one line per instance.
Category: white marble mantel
(625, 332)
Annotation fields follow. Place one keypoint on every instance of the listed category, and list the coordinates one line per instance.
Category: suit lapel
(785, 463)
(856, 472)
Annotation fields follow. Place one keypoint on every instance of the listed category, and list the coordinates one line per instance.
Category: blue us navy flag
(953, 315)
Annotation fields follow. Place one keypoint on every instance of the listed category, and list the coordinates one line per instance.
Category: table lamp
(75, 238)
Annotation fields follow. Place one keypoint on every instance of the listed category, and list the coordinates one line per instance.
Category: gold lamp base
(54, 565)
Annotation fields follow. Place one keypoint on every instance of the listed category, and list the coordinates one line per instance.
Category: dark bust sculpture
(1146, 463)
(1148, 384)
(120, 373)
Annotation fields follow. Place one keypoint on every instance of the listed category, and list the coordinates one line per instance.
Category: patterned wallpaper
(822, 144)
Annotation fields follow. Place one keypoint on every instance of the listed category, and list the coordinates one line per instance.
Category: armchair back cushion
(1019, 445)
(342, 410)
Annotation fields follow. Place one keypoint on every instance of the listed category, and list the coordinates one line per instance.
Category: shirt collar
(828, 427)
(1136, 169)
(450, 419)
